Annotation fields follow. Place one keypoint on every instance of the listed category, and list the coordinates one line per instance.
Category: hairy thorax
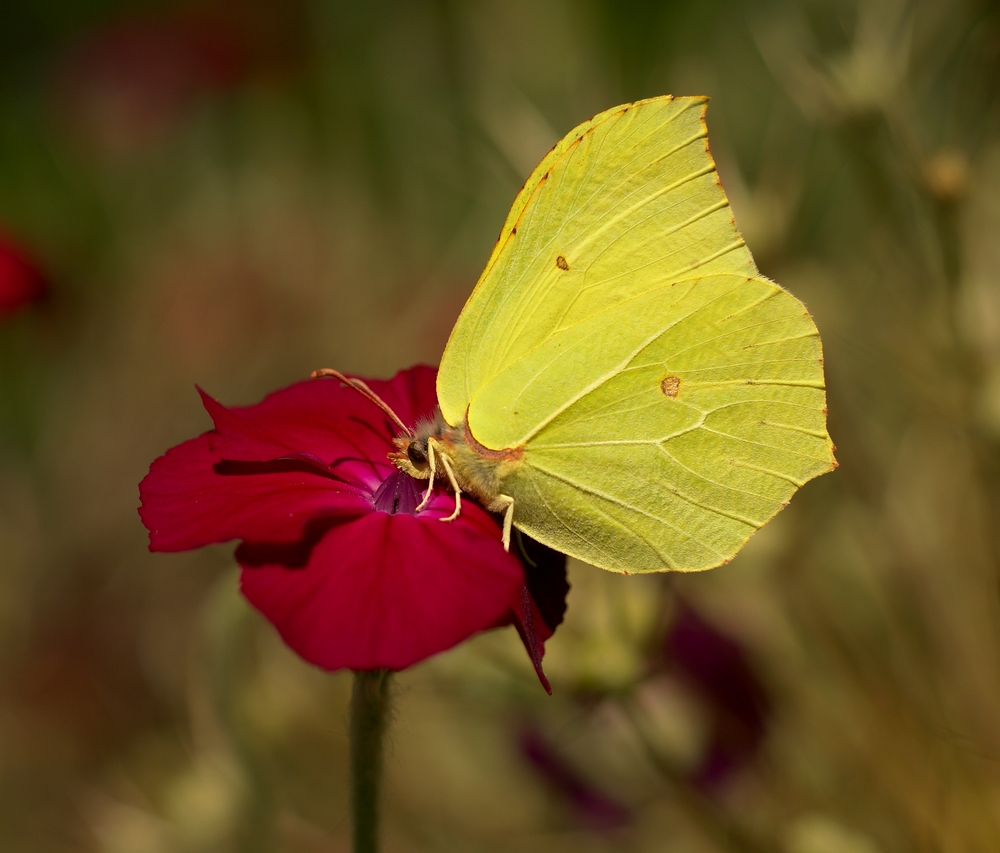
(479, 470)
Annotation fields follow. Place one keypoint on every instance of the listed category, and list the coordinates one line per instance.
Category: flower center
(399, 492)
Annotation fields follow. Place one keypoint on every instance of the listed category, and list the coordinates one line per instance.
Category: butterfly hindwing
(705, 421)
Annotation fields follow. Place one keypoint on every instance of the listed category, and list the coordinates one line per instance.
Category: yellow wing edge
(831, 449)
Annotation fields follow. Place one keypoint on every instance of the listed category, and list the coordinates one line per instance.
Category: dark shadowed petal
(541, 601)
(531, 630)
(545, 574)
(190, 498)
(386, 591)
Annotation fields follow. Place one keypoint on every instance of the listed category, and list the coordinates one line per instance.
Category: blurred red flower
(21, 280)
(132, 79)
(333, 550)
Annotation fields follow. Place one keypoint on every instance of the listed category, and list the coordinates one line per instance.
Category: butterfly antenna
(364, 391)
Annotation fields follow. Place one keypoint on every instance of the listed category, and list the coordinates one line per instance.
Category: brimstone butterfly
(623, 384)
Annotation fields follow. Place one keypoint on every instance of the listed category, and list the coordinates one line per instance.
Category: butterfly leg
(454, 485)
(430, 482)
(504, 504)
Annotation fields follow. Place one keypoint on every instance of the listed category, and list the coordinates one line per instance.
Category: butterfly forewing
(624, 203)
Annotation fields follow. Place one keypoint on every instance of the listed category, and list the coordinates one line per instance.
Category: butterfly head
(412, 454)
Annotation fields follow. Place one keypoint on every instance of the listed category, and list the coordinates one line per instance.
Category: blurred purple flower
(718, 669)
(593, 808)
(334, 552)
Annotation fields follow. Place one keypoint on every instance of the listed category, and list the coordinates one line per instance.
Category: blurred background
(236, 193)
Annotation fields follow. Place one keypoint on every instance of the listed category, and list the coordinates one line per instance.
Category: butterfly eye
(415, 454)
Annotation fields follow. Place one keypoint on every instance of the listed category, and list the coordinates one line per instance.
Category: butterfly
(623, 384)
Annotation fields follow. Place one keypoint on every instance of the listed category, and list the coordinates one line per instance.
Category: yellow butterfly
(622, 384)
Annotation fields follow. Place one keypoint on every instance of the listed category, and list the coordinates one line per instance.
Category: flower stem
(369, 709)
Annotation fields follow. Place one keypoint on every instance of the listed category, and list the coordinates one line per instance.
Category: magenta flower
(333, 550)
(21, 280)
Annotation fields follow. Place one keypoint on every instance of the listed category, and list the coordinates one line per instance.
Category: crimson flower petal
(387, 590)
(324, 420)
(191, 498)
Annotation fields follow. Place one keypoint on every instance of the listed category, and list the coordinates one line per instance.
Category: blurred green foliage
(236, 193)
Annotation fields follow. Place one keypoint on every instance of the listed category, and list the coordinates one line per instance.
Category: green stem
(369, 709)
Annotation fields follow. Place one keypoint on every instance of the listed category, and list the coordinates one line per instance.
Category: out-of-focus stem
(369, 710)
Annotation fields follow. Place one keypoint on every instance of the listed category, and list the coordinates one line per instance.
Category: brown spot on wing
(561, 263)
(670, 385)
